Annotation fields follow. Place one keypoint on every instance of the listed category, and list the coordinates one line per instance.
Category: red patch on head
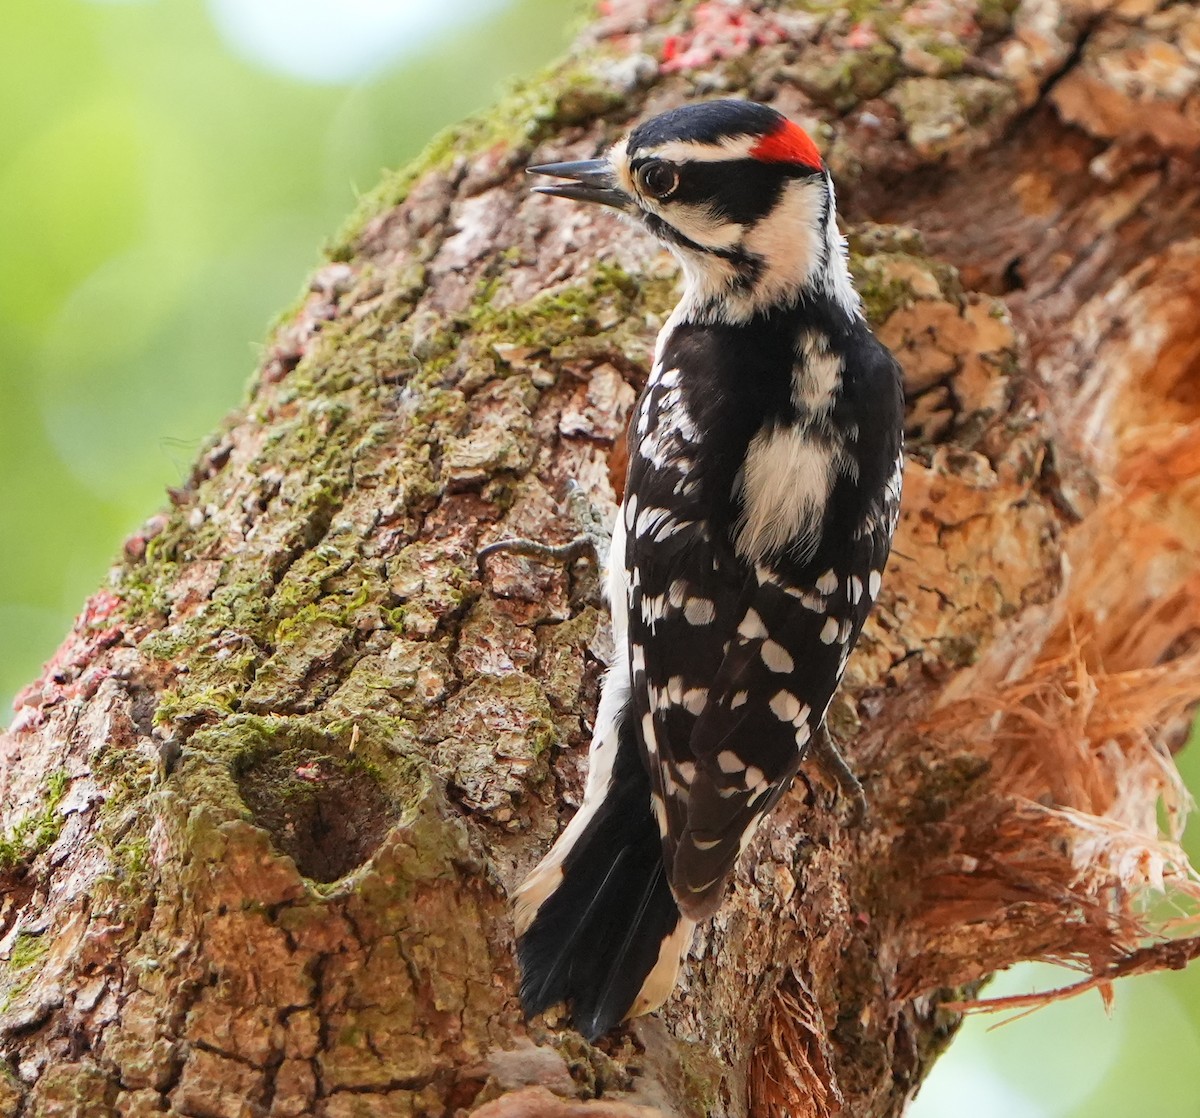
(789, 143)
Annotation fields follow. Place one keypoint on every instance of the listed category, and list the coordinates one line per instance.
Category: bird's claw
(829, 757)
(592, 542)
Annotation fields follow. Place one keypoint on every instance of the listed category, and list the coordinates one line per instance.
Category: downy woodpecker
(763, 489)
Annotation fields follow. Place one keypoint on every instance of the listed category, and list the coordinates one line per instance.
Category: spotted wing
(733, 663)
(683, 591)
(796, 626)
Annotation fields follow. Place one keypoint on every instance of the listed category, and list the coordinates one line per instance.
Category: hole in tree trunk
(328, 815)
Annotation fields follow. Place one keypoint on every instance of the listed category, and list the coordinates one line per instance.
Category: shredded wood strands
(1068, 822)
(790, 1071)
(1171, 955)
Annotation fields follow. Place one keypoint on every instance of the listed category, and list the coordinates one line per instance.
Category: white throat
(801, 249)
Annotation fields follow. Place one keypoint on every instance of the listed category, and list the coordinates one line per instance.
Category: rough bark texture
(368, 740)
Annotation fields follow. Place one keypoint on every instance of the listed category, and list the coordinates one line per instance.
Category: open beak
(591, 181)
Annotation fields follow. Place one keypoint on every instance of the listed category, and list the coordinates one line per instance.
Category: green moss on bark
(565, 95)
(37, 830)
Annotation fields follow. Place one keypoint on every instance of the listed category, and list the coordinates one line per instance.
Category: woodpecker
(763, 488)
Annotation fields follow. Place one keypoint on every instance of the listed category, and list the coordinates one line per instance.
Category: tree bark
(263, 811)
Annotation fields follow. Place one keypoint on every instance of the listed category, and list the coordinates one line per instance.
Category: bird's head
(738, 192)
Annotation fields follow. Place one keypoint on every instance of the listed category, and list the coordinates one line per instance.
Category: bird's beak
(592, 180)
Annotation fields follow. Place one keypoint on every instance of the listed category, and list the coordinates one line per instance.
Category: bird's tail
(597, 926)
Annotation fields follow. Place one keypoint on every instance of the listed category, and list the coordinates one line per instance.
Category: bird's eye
(658, 179)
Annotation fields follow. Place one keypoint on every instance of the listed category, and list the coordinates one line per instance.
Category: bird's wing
(732, 668)
(732, 662)
(793, 633)
(681, 589)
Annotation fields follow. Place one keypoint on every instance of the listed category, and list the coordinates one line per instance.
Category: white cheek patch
(697, 223)
(700, 225)
(789, 240)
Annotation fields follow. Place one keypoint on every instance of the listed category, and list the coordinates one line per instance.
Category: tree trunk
(264, 809)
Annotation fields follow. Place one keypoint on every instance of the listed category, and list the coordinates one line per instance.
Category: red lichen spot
(622, 20)
(789, 143)
(72, 672)
(718, 31)
(99, 608)
(862, 36)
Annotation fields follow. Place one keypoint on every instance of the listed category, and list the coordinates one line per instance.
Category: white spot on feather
(752, 627)
(776, 657)
(829, 631)
(700, 611)
(650, 518)
(765, 576)
(643, 423)
(660, 812)
(809, 600)
(649, 740)
(654, 609)
(785, 706)
(729, 762)
(816, 379)
(671, 527)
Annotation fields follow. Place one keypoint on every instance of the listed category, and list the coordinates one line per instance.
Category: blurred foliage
(161, 199)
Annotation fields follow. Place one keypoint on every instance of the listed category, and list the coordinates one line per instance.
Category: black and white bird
(765, 459)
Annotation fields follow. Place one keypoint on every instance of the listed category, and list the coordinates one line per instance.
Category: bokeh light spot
(317, 41)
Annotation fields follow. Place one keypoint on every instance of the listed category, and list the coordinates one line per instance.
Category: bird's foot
(592, 542)
(829, 757)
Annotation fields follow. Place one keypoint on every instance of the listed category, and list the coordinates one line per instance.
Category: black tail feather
(598, 935)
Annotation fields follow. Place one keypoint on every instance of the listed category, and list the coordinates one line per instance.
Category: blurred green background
(168, 171)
